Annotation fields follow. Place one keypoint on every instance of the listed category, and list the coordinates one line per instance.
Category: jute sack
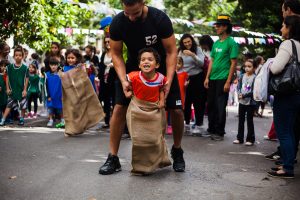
(81, 107)
(146, 124)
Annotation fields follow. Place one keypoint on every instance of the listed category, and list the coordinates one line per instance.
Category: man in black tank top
(140, 26)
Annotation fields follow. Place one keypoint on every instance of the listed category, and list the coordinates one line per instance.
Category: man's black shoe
(273, 156)
(111, 165)
(178, 161)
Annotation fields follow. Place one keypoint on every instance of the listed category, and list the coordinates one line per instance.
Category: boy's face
(148, 63)
(53, 67)
(18, 56)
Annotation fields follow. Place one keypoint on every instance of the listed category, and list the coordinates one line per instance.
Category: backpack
(260, 90)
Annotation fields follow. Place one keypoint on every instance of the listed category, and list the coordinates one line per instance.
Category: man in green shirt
(219, 76)
(16, 86)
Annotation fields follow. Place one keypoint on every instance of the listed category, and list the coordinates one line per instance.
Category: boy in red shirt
(146, 119)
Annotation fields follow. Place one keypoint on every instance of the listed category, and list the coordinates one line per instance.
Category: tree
(36, 22)
(199, 9)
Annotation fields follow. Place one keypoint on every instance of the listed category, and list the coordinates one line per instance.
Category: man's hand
(127, 89)
(0, 89)
(166, 89)
(24, 93)
(49, 98)
(227, 87)
(206, 83)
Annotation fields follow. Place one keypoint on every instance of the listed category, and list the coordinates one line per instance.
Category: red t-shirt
(144, 89)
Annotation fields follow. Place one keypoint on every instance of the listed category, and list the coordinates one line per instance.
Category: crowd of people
(158, 76)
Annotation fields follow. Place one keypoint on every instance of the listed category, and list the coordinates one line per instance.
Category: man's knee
(177, 113)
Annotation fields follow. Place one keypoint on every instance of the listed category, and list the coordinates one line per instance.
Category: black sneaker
(178, 161)
(273, 156)
(284, 175)
(111, 165)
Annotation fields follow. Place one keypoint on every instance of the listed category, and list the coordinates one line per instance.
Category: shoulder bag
(288, 81)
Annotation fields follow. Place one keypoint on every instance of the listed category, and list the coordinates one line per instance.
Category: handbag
(288, 81)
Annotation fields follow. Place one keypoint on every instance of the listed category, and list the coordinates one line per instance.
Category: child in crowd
(246, 104)
(183, 78)
(16, 86)
(33, 89)
(42, 97)
(35, 57)
(53, 92)
(73, 57)
(3, 95)
(81, 106)
(92, 73)
(258, 63)
(183, 82)
(146, 115)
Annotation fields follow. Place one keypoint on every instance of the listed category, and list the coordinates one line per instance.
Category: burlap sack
(81, 107)
(146, 124)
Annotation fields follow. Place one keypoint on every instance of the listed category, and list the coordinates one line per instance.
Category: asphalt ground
(40, 163)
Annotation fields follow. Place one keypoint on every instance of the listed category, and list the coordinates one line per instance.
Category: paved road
(39, 164)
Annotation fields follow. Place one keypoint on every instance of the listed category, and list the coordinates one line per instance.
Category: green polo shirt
(222, 53)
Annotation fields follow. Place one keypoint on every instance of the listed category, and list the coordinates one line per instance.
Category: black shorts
(173, 99)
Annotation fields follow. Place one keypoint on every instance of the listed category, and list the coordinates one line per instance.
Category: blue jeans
(285, 113)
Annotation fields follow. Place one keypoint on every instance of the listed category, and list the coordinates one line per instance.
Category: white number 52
(151, 40)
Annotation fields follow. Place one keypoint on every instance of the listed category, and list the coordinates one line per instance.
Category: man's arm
(231, 72)
(171, 52)
(116, 48)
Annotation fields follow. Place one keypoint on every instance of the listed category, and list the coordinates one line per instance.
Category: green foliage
(36, 22)
(199, 9)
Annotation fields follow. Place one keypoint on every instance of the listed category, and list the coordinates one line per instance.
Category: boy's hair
(131, 2)
(19, 49)
(76, 53)
(294, 5)
(53, 61)
(149, 50)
